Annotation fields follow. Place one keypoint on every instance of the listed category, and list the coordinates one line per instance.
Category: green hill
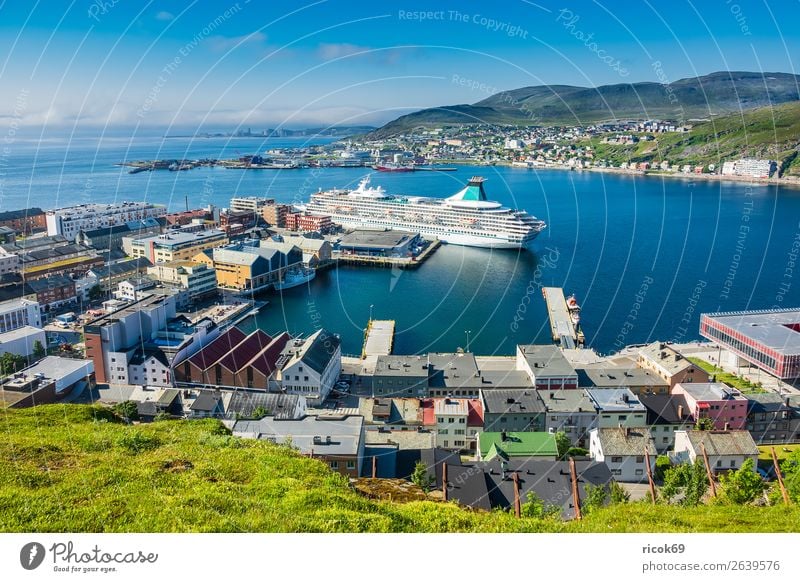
(698, 97)
(77, 468)
(766, 132)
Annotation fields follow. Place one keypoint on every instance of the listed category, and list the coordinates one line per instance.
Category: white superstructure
(70, 221)
(466, 218)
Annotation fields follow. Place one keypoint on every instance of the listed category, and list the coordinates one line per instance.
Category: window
(623, 417)
(616, 471)
(462, 420)
(640, 471)
(719, 463)
(451, 420)
(616, 459)
(733, 464)
(334, 464)
(351, 464)
(640, 459)
(442, 431)
(665, 440)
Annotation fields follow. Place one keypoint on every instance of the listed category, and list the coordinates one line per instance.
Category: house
(546, 366)
(451, 423)
(149, 366)
(25, 221)
(618, 407)
(280, 406)
(316, 251)
(17, 313)
(725, 406)
(337, 440)
(571, 412)
(401, 413)
(666, 362)
(666, 413)
(54, 291)
(515, 444)
(21, 341)
(48, 381)
(513, 410)
(207, 405)
(198, 279)
(168, 402)
(623, 450)
(454, 375)
(400, 376)
(638, 380)
(134, 289)
(177, 244)
(771, 418)
(110, 275)
(490, 484)
(110, 237)
(311, 366)
(727, 450)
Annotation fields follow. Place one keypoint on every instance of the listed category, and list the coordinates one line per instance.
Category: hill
(696, 97)
(766, 132)
(77, 468)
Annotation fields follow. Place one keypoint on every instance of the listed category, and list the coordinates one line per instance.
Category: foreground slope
(77, 468)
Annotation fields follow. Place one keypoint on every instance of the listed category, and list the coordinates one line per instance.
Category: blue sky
(224, 65)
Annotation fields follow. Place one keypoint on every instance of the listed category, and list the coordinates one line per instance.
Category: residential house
(618, 407)
(637, 380)
(311, 366)
(771, 418)
(571, 412)
(207, 404)
(515, 444)
(623, 450)
(337, 440)
(513, 410)
(166, 402)
(451, 423)
(198, 279)
(54, 292)
(25, 222)
(134, 289)
(726, 450)
(666, 362)
(395, 413)
(111, 274)
(725, 406)
(666, 413)
(547, 367)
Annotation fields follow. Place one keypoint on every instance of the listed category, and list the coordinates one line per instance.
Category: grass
(781, 451)
(741, 384)
(77, 468)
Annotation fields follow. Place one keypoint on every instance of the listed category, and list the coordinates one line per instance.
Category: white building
(249, 203)
(9, 263)
(451, 422)
(199, 279)
(134, 289)
(727, 450)
(17, 313)
(70, 221)
(623, 452)
(86, 284)
(20, 341)
(310, 367)
(514, 144)
(749, 167)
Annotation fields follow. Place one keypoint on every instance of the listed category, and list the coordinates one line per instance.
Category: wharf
(564, 332)
(391, 262)
(378, 338)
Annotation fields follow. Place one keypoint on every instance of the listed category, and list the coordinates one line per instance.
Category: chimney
(625, 397)
(786, 402)
(552, 395)
(680, 411)
(627, 431)
(503, 436)
(727, 426)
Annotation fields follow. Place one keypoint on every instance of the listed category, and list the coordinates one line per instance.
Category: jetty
(378, 338)
(564, 329)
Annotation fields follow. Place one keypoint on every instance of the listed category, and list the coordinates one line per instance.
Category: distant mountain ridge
(696, 97)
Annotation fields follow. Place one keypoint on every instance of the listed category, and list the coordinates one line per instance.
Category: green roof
(517, 444)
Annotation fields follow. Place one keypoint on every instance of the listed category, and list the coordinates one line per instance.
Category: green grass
(781, 451)
(76, 468)
(743, 385)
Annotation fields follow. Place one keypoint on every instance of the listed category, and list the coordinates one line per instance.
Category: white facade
(198, 278)
(248, 203)
(625, 467)
(18, 313)
(86, 284)
(151, 372)
(749, 167)
(70, 221)
(687, 452)
(451, 423)
(298, 377)
(20, 341)
(9, 263)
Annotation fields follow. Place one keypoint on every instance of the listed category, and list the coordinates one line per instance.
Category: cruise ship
(465, 218)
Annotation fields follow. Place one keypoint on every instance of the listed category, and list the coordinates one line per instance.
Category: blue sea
(644, 255)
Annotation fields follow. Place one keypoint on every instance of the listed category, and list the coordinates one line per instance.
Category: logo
(31, 555)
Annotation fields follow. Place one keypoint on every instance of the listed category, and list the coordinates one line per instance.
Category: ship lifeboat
(572, 304)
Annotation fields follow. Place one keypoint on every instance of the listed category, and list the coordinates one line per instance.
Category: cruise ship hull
(487, 241)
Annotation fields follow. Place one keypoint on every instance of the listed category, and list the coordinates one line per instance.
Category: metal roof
(776, 329)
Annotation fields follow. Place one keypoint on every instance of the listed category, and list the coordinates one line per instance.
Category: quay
(378, 338)
(564, 332)
(391, 262)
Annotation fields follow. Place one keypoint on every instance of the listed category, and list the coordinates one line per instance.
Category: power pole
(708, 471)
(517, 505)
(650, 475)
(444, 481)
(576, 498)
(780, 477)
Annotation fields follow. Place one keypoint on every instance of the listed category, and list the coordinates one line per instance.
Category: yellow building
(177, 245)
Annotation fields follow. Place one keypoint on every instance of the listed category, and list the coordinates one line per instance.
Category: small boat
(295, 277)
(138, 169)
(390, 167)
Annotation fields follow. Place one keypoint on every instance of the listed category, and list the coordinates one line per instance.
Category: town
(129, 306)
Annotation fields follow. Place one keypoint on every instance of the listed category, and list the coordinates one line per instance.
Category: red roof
(475, 414)
(217, 348)
(266, 360)
(428, 416)
(238, 357)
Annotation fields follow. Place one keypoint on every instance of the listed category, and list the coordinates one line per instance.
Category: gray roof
(512, 402)
(375, 238)
(609, 377)
(492, 379)
(625, 441)
(710, 391)
(453, 371)
(770, 327)
(720, 442)
(673, 361)
(615, 399)
(664, 408)
(206, 402)
(768, 402)
(316, 351)
(567, 401)
(278, 405)
(56, 367)
(546, 360)
(416, 366)
(308, 434)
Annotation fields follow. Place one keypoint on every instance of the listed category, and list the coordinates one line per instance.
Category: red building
(308, 222)
(24, 221)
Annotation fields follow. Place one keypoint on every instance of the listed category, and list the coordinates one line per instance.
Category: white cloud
(225, 43)
(164, 15)
(330, 51)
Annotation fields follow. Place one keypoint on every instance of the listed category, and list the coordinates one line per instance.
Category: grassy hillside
(76, 468)
(767, 132)
(697, 97)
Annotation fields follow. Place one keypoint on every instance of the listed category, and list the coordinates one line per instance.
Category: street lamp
(370, 312)
(468, 332)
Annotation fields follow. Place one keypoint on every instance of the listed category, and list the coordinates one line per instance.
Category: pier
(378, 338)
(390, 262)
(565, 333)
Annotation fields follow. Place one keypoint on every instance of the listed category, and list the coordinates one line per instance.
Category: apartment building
(69, 222)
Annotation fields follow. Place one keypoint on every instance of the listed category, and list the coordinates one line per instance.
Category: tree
(562, 444)
(96, 293)
(536, 508)
(127, 410)
(790, 467)
(742, 486)
(594, 497)
(259, 412)
(420, 476)
(10, 363)
(662, 464)
(618, 493)
(689, 479)
(38, 350)
(704, 424)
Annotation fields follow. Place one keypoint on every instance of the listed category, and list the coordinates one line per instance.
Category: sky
(99, 65)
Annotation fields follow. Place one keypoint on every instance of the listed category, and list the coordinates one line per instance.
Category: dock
(564, 332)
(378, 338)
(390, 262)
